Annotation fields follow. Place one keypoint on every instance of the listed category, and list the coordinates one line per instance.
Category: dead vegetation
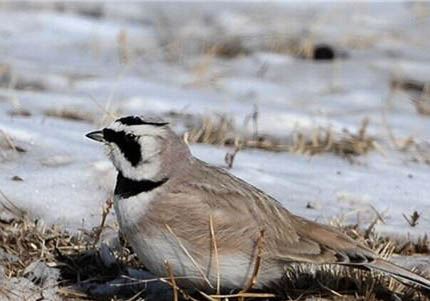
(306, 48)
(70, 114)
(409, 85)
(10, 80)
(340, 283)
(419, 93)
(221, 131)
(413, 219)
(228, 48)
(23, 242)
(8, 143)
(324, 140)
(379, 243)
(422, 104)
(419, 150)
(303, 47)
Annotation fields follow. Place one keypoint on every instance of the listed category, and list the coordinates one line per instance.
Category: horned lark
(206, 222)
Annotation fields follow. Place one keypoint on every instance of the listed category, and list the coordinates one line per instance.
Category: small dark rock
(310, 205)
(323, 52)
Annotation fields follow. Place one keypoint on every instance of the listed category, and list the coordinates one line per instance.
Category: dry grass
(10, 80)
(422, 104)
(298, 47)
(406, 84)
(70, 114)
(79, 262)
(396, 246)
(342, 283)
(26, 241)
(8, 143)
(304, 47)
(221, 131)
(323, 140)
(419, 150)
(229, 48)
(419, 93)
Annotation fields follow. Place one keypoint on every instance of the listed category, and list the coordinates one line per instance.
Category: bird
(207, 224)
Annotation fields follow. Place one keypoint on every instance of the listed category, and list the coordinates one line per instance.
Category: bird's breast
(130, 211)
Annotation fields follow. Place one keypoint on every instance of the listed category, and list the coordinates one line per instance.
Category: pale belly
(203, 272)
(232, 272)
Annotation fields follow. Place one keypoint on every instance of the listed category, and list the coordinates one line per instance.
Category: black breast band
(126, 188)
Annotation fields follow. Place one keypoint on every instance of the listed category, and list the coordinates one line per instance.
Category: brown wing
(239, 212)
(331, 245)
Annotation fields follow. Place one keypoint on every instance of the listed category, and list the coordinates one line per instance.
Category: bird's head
(142, 147)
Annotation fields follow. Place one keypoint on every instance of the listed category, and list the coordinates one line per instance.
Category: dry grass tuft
(70, 114)
(323, 140)
(422, 103)
(302, 282)
(409, 85)
(27, 241)
(221, 131)
(228, 49)
(419, 93)
(7, 143)
(413, 219)
(297, 47)
(392, 246)
(419, 150)
(20, 112)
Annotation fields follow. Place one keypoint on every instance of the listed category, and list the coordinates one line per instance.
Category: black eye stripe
(127, 143)
(135, 120)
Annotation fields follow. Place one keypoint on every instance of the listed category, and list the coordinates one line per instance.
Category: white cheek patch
(150, 147)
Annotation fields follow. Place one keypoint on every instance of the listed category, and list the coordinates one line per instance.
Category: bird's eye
(131, 136)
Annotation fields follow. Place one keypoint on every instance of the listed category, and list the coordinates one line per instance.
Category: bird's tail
(398, 272)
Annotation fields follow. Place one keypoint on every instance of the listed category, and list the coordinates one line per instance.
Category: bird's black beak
(96, 135)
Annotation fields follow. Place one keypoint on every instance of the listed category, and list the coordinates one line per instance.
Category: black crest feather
(136, 120)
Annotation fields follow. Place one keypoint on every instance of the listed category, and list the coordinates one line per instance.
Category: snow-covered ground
(106, 59)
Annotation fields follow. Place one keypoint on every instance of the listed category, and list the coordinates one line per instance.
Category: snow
(75, 62)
